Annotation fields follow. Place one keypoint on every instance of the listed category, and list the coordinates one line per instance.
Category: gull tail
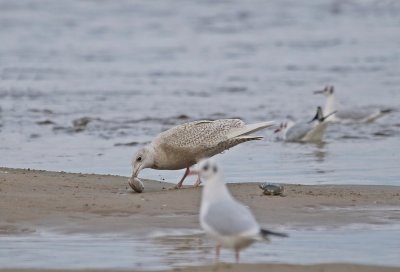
(238, 140)
(248, 129)
(378, 114)
(386, 111)
(320, 116)
(246, 138)
(265, 233)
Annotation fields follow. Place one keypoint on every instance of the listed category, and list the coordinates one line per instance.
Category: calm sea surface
(167, 249)
(84, 83)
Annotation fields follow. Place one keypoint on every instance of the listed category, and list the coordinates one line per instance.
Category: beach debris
(45, 122)
(81, 123)
(182, 117)
(44, 111)
(126, 144)
(274, 189)
(136, 184)
(187, 143)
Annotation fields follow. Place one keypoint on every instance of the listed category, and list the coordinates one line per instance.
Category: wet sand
(32, 200)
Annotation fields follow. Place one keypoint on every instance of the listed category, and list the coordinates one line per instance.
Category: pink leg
(198, 181)
(179, 185)
(237, 255)
(217, 251)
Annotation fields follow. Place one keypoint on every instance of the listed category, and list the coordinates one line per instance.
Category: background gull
(312, 131)
(350, 115)
(185, 145)
(224, 219)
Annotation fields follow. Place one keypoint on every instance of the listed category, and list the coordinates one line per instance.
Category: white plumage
(312, 131)
(223, 218)
(350, 115)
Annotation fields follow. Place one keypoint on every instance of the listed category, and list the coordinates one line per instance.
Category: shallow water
(83, 84)
(167, 248)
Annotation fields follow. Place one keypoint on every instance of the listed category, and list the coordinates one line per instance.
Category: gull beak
(319, 92)
(136, 171)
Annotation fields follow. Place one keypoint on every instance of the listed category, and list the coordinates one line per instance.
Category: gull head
(327, 91)
(142, 159)
(209, 169)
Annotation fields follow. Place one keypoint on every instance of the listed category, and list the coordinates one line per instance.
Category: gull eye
(205, 167)
(139, 159)
(215, 169)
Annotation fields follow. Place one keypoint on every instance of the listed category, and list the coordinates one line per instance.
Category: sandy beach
(33, 200)
(85, 85)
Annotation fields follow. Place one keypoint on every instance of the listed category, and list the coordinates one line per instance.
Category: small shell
(272, 188)
(136, 184)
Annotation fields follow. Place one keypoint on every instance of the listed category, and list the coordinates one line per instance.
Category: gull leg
(198, 181)
(217, 251)
(237, 255)
(179, 185)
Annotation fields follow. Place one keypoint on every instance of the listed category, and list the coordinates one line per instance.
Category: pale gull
(312, 131)
(184, 145)
(224, 219)
(350, 115)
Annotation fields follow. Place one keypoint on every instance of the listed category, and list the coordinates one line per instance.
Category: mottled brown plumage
(184, 145)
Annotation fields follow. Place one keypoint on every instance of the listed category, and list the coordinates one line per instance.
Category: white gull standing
(312, 131)
(350, 115)
(185, 145)
(227, 221)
